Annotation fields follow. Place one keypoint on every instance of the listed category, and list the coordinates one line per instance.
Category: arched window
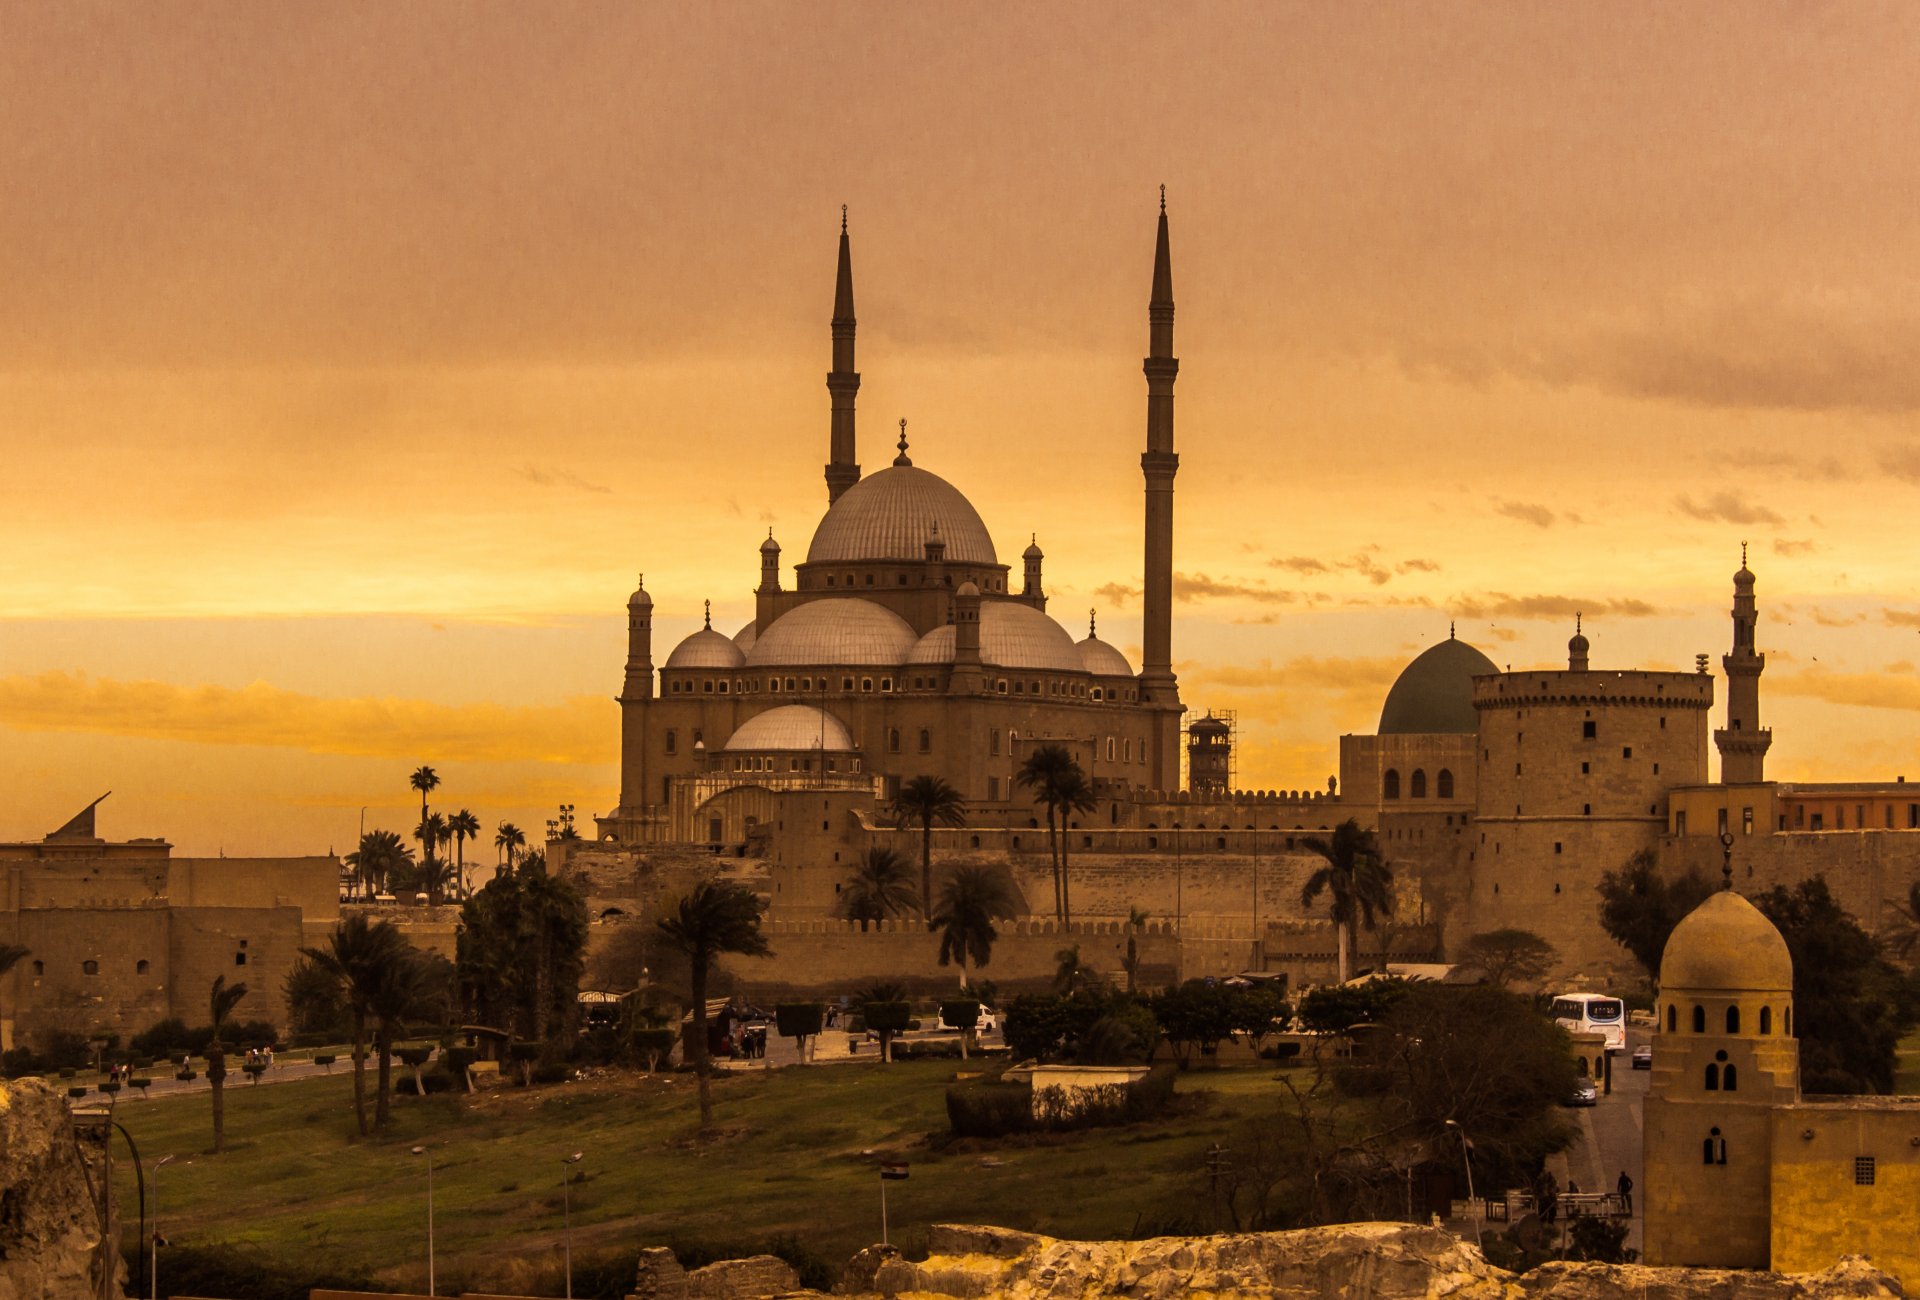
(1673, 1018)
(926, 741)
(1444, 784)
(893, 740)
(1581, 1062)
(140, 967)
(1766, 1020)
(1699, 1020)
(1419, 783)
(90, 967)
(1733, 1020)
(1713, 1148)
(1390, 784)
(1713, 1078)
(1729, 1080)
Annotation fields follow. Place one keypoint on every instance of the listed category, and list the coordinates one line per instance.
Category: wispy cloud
(1726, 508)
(560, 478)
(1527, 512)
(1901, 617)
(1793, 546)
(1886, 690)
(1499, 604)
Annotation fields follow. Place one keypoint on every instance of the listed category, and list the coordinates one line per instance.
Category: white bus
(1593, 1013)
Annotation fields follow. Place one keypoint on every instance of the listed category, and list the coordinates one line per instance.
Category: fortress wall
(311, 884)
(90, 881)
(208, 941)
(1543, 875)
(1868, 871)
(118, 998)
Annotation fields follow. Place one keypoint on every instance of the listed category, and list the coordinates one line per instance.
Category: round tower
(1210, 757)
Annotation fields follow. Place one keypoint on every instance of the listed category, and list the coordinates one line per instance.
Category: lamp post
(566, 1213)
(153, 1269)
(1466, 1152)
(423, 1151)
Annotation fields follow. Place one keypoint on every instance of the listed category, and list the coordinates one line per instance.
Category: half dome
(1012, 635)
(1726, 943)
(791, 727)
(706, 649)
(1433, 696)
(837, 630)
(1102, 660)
(747, 635)
(890, 515)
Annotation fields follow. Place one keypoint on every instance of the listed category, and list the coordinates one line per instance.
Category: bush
(992, 1108)
(414, 1057)
(142, 1082)
(18, 1061)
(961, 1013)
(1280, 1052)
(553, 1073)
(654, 1047)
(244, 1272)
(162, 1038)
(940, 1049)
(1045, 1027)
(1334, 1009)
(989, 1109)
(64, 1051)
(325, 1058)
(457, 1060)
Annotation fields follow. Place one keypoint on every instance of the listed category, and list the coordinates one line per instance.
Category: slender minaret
(1159, 464)
(635, 699)
(1743, 741)
(638, 683)
(843, 381)
(1577, 647)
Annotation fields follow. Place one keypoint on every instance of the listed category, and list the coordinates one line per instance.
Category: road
(1609, 1140)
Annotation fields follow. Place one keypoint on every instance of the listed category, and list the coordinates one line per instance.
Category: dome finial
(902, 458)
(1576, 621)
(843, 218)
(643, 582)
(1091, 633)
(1726, 860)
(1449, 629)
(709, 605)
(1743, 555)
(1163, 198)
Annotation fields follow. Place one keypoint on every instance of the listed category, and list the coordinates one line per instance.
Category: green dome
(1434, 694)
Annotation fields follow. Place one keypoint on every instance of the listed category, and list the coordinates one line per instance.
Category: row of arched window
(1733, 1020)
(1417, 784)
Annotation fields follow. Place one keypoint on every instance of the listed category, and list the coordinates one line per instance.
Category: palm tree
(398, 983)
(220, 1004)
(1135, 919)
(1355, 877)
(1039, 773)
(357, 956)
(971, 900)
(1070, 972)
(380, 854)
(465, 826)
(880, 888)
(435, 875)
(424, 779)
(1072, 793)
(715, 917)
(928, 799)
(1902, 936)
(11, 955)
(509, 838)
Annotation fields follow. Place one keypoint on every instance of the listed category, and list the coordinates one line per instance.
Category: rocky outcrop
(758, 1276)
(1374, 1261)
(49, 1221)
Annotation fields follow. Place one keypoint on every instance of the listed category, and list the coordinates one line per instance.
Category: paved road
(1610, 1132)
(831, 1049)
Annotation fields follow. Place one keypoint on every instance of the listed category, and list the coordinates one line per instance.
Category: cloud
(1889, 690)
(581, 730)
(1300, 564)
(1825, 468)
(1117, 593)
(1792, 546)
(1902, 462)
(1901, 617)
(1726, 508)
(1417, 566)
(560, 478)
(1198, 586)
(1526, 512)
(1825, 619)
(1498, 604)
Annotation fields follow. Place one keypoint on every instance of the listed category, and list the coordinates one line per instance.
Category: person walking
(1625, 1188)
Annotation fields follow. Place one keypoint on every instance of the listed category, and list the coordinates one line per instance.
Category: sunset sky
(354, 358)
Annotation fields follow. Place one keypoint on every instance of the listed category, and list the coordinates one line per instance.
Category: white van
(1596, 1013)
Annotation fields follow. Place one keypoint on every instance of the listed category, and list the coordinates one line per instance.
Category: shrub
(993, 1108)
(326, 1059)
(654, 1047)
(226, 1270)
(414, 1057)
(162, 1038)
(800, 1021)
(65, 1051)
(940, 1049)
(78, 1092)
(142, 1082)
(989, 1109)
(887, 1019)
(18, 1061)
(110, 1087)
(457, 1060)
(961, 1013)
(556, 1072)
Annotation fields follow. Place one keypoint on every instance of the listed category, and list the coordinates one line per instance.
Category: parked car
(989, 1022)
(1583, 1094)
(1643, 1057)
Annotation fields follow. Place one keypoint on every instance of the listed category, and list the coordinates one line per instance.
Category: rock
(660, 1276)
(49, 1222)
(751, 1278)
(857, 1277)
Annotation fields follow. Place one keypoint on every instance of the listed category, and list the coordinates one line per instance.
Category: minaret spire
(1743, 742)
(843, 381)
(1159, 692)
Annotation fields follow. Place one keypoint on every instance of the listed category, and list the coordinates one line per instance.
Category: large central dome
(1434, 693)
(890, 516)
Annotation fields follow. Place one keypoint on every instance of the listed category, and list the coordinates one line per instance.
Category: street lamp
(566, 1212)
(423, 1151)
(1466, 1152)
(153, 1271)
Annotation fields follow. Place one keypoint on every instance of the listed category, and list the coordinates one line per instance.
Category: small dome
(706, 649)
(1210, 726)
(890, 515)
(769, 546)
(1012, 635)
(791, 727)
(1033, 551)
(1102, 660)
(747, 635)
(640, 599)
(834, 631)
(968, 589)
(1433, 696)
(1726, 943)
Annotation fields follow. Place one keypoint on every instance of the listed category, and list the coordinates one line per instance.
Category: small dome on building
(837, 630)
(1033, 551)
(1210, 726)
(706, 649)
(1102, 660)
(967, 589)
(889, 516)
(1727, 944)
(1012, 635)
(640, 599)
(1433, 696)
(790, 727)
(769, 547)
(747, 635)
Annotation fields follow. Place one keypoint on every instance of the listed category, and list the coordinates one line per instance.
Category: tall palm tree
(465, 826)
(971, 900)
(1901, 936)
(1071, 972)
(509, 838)
(397, 986)
(380, 854)
(11, 955)
(1072, 793)
(357, 956)
(1355, 878)
(424, 779)
(1039, 773)
(715, 917)
(928, 799)
(881, 887)
(1135, 919)
(220, 1004)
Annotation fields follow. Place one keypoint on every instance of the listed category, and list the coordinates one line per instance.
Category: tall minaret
(635, 699)
(1743, 741)
(1159, 464)
(843, 381)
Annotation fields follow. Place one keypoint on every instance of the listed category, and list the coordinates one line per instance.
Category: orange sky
(353, 358)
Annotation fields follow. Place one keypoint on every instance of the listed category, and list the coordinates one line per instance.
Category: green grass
(794, 1155)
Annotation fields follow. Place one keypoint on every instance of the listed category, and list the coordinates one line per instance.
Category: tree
(433, 878)
(1639, 907)
(509, 839)
(928, 799)
(1071, 973)
(802, 1022)
(1196, 1014)
(465, 826)
(358, 955)
(716, 917)
(11, 955)
(380, 855)
(520, 951)
(1135, 920)
(1510, 956)
(1901, 936)
(316, 1004)
(881, 887)
(1040, 773)
(1334, 1009)
(402, 984)
(971, 900)
(424, 779)
(1355, 879)
(1849, 1008)
(1072, 793)
(432, 832)
(887, 1015)
(220, 1003)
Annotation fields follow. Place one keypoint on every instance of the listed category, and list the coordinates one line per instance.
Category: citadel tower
(1743, 741)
